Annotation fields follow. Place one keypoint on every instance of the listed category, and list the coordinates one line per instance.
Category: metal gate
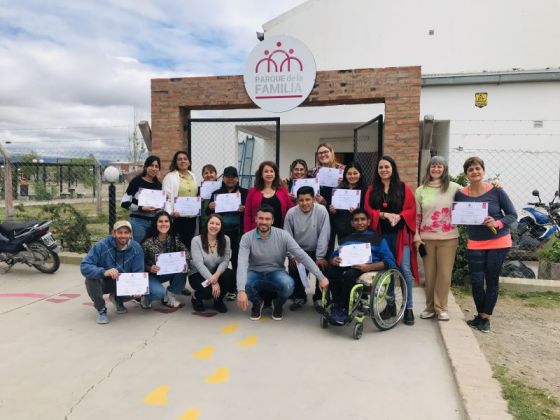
(240, 142)
(368, 146)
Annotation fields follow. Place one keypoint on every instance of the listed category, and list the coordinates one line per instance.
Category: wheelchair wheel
(358, 330)
(324, 322)
(388, 299)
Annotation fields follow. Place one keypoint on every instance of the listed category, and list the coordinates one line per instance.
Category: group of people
(276, 221)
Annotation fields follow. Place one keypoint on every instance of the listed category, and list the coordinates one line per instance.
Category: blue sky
(70, 64)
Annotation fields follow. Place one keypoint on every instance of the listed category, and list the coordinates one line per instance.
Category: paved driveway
(57, 363)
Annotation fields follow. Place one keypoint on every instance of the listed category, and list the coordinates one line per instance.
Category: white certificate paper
(151, 198)
(132, 284)
(171, 263)
(208, 187)
(305, 182)
(343, 199)
(330, 177)
(188, 206)
(355, 254)
(302, 275)
(227, 202)
(469, 213)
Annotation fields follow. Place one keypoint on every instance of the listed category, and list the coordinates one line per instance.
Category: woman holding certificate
(268, 190)
(143, 206)
(210, 276)
(392, 208)
(166, 259)
(325, 158)
(181, 183)
(298, 170)
(349, 195)
(489, 242)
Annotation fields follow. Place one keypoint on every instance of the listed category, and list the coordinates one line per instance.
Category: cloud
(89, 64)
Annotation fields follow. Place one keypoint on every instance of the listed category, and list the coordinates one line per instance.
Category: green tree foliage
(69, 226)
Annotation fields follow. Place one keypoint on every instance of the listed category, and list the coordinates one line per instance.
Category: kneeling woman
(210, 276)
(160, 239)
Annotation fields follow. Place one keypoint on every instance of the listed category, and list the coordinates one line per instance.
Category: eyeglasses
(324, 152)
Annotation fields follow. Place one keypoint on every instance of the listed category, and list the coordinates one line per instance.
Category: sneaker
(256, 311)
(145, 302)
(197, 304)
(389, 312)
(231, 296)
(186, 292)
(277, 312)
(484, 325)
(171, 301)
(102, 317)
(338, 315)
(428, 314)
(297, 303)
(408, 316)
(443, 316)
(220, 306)
(473, 323)
(121, 309)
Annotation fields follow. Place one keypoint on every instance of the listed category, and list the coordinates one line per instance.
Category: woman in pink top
(269, 190)
(435, 235)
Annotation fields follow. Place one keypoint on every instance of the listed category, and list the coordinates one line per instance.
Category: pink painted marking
(70, 295)
(28, 295)
(205, 314)
(166, 310)
(53, 300)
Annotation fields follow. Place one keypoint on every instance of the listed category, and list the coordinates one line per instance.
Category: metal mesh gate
(368, 145)
(240, 142)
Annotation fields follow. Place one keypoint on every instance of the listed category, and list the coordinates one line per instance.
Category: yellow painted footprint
(204, 353)
(248, 341)
(158, 396)
(228, 329)
(219, 377)
(190, 414)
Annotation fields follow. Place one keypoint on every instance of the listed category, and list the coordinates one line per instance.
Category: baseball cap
(122, 223)
(231, 171)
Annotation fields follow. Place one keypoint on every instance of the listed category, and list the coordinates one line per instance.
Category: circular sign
(279, 73)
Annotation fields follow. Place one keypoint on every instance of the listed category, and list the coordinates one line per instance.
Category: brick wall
(397, 87)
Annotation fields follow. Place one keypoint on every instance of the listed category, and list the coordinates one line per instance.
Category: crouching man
(262, 253)
(115, 254)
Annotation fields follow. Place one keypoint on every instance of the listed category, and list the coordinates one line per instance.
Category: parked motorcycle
(538, 224)
(28, 243)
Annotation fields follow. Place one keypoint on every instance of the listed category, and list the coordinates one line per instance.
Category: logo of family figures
(283, 78)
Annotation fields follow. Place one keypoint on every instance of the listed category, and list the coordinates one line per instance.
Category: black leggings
(185, 227)
(225, 281)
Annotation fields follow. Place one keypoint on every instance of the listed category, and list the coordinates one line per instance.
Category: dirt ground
(524, 339)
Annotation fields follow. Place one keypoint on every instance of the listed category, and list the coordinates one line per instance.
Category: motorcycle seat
(9, 227)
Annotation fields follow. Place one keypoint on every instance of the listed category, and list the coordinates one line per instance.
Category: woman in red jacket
(268, 190)
(390, 204)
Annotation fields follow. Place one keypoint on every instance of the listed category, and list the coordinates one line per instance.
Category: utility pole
(8, 186)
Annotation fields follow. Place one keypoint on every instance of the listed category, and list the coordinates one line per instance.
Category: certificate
(469, 213)
(132, 284)
(227, 202)
(187, 206)
(330, 177)
(305, 182)
(302, 275)
(355, 254)
(151, 198)
(343, 199)
(171, 263)
(208, 187)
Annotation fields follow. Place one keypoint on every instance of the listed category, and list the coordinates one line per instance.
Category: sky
(73, 74)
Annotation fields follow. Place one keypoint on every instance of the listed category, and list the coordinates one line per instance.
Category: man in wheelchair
(342, 279)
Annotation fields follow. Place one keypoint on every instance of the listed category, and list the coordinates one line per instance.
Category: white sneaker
(427, 314)
(443, 316)
(171, 301)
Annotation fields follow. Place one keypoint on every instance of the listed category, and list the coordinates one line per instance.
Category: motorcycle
(538, 224)
(28, 243)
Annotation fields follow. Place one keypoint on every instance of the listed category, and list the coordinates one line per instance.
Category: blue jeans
(139, 228)
(484, 268)
(272, 281)
(404, 266)
(176, 281)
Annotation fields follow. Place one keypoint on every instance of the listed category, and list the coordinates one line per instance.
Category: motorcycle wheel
(5, 267)
(50, 260)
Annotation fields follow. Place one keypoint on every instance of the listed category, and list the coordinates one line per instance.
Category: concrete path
(57, 363)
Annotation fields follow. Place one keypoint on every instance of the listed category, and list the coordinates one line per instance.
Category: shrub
(551, 254)
(69, 226)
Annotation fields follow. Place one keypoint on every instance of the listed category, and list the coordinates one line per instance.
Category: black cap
(231, 171)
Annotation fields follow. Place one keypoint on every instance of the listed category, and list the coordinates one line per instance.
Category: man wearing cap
(233, 220)
(117, 253)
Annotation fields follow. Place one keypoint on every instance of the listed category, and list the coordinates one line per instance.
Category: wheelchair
(379, 295)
